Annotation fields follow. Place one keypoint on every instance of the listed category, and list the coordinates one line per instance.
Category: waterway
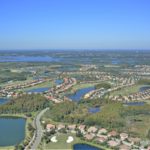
(84, 147)
(12, 131)
(21, 58)
(94, 110)
(144, 88)
(135, 103)
(39, 90)
(3, 101)
(78, 95)
(58, 81)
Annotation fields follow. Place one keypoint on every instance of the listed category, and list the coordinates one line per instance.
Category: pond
(12, 131)
(84, 147)
(94, 110)
(144, 88)
(39, 90)
(3, 101)
(115, 61)
(59, 81)
(77, 96)
(135, 103)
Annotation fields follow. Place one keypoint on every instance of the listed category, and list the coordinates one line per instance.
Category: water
(59, 81)
(21, 58)
(3, 101)
(135, 103)
(12, 131)
(94, 110)
(84, 147)
(144, 88)
(115, 62)
(39, 90)
(77, 96)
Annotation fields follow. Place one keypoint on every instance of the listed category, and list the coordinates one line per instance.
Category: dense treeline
(7, 75)
(103, 85)
(58, 111)
(25, 103)
(136, 110)
(144, 81)
(109, 116)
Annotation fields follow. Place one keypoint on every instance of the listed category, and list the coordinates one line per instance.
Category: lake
(12, 131)
(59, 81)
(77, 96)
(144, 88)
(22, 58)
(3, 101)
(84, 147)
(94, 110)
(135, 103)
(39, 90)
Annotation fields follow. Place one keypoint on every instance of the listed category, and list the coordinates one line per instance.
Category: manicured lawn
(7, 148)
(126, 91)
(45, 84)
(61, 144)
(80, 86)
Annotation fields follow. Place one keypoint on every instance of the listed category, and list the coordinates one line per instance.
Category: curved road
(38, 132)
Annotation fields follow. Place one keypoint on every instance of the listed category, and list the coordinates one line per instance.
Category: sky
(74, 24)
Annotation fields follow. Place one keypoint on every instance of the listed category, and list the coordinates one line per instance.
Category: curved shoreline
(14, 116)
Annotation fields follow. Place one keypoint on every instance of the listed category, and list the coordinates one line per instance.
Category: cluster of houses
(91, 76)
(54, 93)
(97, 93)
(132, 97)
(68, 83)
(9, 90)
(140, 70)
(102, 136)
(87, 67)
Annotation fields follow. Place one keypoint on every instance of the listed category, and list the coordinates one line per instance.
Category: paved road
(39, 132)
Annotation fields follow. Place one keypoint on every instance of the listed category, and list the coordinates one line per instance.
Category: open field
(126, 91)
(138, 124)
(42, 85)
(61, 144)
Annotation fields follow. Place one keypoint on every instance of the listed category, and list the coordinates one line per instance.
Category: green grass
(42, 85)
(61, 144)
(139, 127)
(80, 86)
(7, 148)
(126, 91)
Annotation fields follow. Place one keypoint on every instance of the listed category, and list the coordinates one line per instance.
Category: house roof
(92, 129)
(50, 126)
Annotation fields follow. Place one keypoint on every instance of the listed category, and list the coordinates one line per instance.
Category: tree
(148, 134)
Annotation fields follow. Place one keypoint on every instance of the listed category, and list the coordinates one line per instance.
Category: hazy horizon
(76, 24)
